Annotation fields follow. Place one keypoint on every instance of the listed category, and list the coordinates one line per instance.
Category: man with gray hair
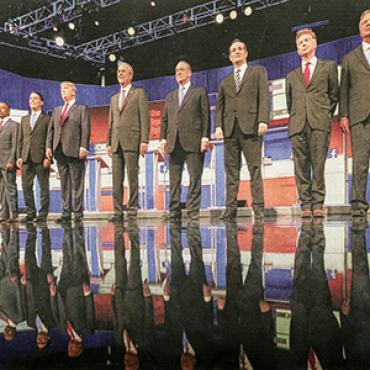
(354, 113)
(68, 141)
(127, 137)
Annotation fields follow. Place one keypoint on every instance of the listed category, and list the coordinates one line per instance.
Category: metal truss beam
(43, 18)
(182, 21)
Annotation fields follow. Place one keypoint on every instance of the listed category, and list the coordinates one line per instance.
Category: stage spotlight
(71, 26)
(97, 23)
(152, 3)
(59, 40)
(248, 11)
(55, 28)
(112, 57)
(233, 14)
(131, 31)
(219, 18)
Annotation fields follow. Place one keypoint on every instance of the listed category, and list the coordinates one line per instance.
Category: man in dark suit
(128, 135)
(242, 116)
(185, 132)
(31, 154)
(9, 130)
(68, 140)
(312, 94)
(354, 113)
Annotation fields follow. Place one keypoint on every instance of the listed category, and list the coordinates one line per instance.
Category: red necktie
(306, 73)
(1, 123)
(70, 330)
(64, 113)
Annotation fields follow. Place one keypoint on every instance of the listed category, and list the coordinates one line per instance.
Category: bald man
(128, 136)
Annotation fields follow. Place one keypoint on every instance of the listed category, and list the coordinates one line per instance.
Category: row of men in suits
(242, 116)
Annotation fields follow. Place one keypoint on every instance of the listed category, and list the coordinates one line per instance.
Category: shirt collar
(37, 112)
(365, 46)
(312, 61)
(185, 86)
(70, 103)
(242, 68)
(126, 89)
(6, 119)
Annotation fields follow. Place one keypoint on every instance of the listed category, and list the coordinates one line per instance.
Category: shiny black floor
(275, 295)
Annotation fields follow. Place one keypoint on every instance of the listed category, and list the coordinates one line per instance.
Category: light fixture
(131, 31)
(59, 41)
(219, 18)
(71, 26)
(55, 28)
(152, 3)
(248, 11)
(97, 23)
(112, 57)
(233, 14)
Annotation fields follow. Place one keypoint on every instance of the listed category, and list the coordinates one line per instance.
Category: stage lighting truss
(97, 50)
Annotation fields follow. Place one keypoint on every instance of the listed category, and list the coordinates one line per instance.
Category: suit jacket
(32, 143)
(190, 121)
(354, 87)
(75, 132)
(130, 126)
(250, 106)
(316, 103)
(8, 142)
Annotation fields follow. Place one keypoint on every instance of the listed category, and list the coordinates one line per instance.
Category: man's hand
(49, 153)
(19, 162)
(262, 129)
(203, 146)
(83, 153)
(163, 148)
(109, 151)
(143, 148)
(219, 133)
(46, 163)
(9, 167)
(344, 125)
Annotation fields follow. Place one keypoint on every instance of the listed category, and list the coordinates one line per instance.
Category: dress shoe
(228, 216)
(318, 213)
(258, 213)
(359, 224)
(63, 220)
(28, 219)
(78, 218)
(193, 216)
(116, 218)
(41, 218)
(306, 213)
(359, 212)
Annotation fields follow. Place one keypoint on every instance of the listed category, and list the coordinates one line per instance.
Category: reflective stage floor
(283, 294)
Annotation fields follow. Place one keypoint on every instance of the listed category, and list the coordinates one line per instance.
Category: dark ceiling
(267, 33)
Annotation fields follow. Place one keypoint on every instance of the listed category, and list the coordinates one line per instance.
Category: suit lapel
(316, 72)
(186, 97)
(69, 111)
(300, 77)
(28, 124)
(39, 119)
(247, 74)
(359, 52)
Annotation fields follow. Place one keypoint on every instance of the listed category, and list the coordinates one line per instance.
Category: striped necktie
(238, 80)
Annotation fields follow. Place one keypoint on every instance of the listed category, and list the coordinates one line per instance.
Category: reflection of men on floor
(256, 323)
(11, 297)
(189, 298)
(131, 300)
(228, 307)
(75, 298)
(40, 312)
(355, 311)
(313, 324)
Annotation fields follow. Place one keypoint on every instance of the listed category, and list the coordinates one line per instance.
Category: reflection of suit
(356, 325)
(8, 150)
(186, 294)
(313, 323)
(311, 111)
(11, 297)
(39, 300)
(32, 149)
(127, 128)
(74, 305)
(66, 140)
(354, 104)
(183, 127)
(256, 327)
(239, 114)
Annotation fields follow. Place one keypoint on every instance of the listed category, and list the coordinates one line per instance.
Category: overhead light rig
(97, 50)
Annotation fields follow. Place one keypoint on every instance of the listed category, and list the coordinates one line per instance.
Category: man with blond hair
(68, 141)
(354, 113)
(312, 95)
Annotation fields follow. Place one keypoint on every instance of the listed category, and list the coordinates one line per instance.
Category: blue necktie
(33, 120)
